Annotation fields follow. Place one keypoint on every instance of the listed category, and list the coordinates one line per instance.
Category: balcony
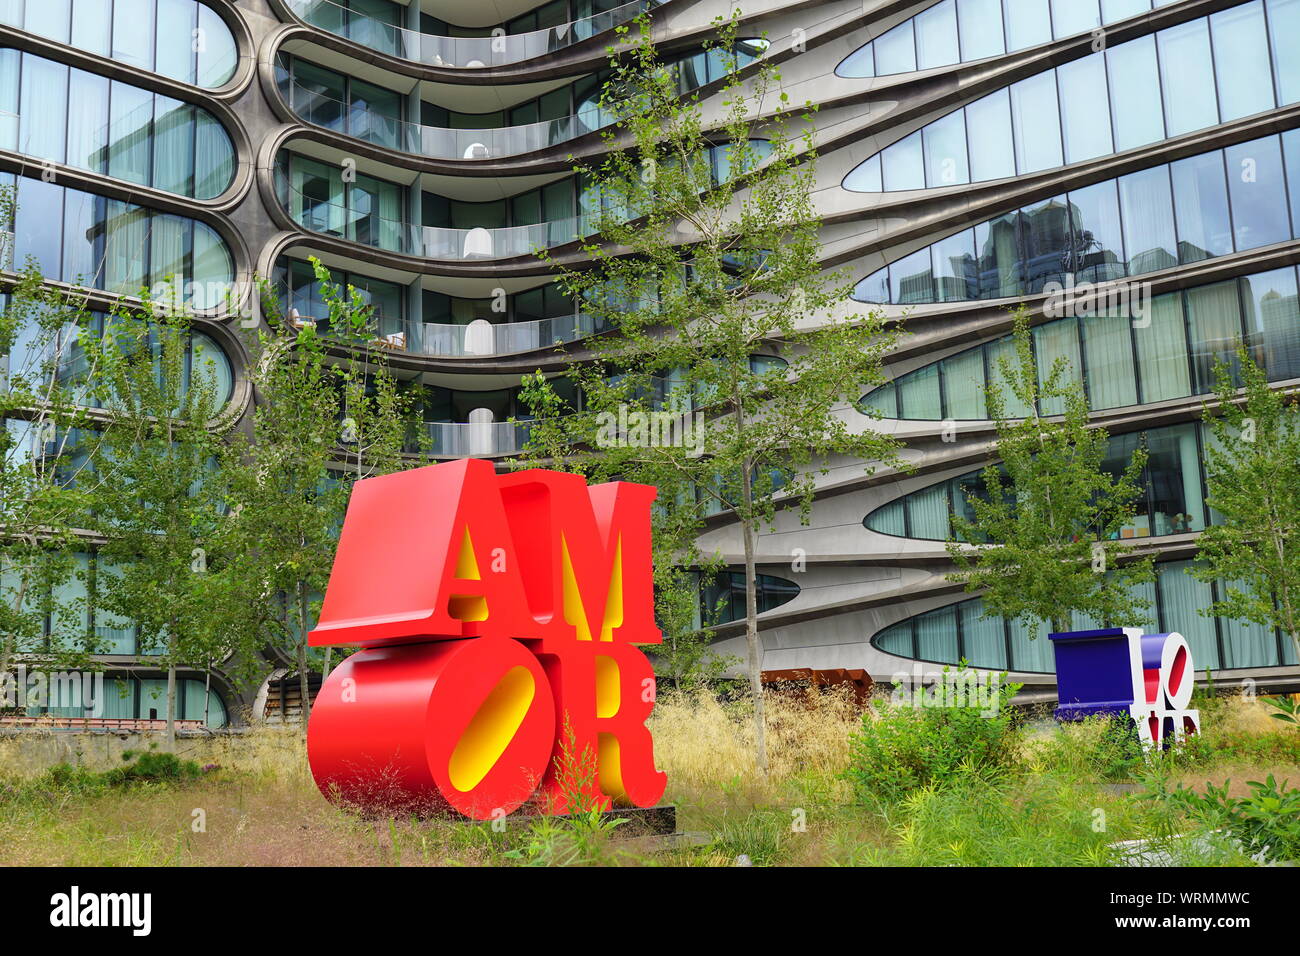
(468, 53)
(427, 242)
(474, 439)
(435, 142)
(481, 337)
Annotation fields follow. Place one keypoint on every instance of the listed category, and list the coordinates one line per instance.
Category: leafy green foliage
(696, 269)
(1266, 823)
(1049, 526)
(904, 748)
(1252, 471)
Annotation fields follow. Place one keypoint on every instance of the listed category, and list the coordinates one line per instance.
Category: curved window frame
(1139, 92)
(1168, 353)
(920, 512)
(183, 40)
(1217, 643)
(111, 128)
(928, 40)
(94, 242)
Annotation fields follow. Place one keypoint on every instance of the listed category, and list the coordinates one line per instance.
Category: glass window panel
(1162, 350)
(1035, 120)
(936, 636)
(945, 151)
(888, 520)
(980, 25)
(48, 18)
(963, 385)
(92, 22)
(126, 243)
(1284, 27)
(936, 36)
(896, 639)
(1201, 207)
(1057, 340)
(1098, 240)
(214, 269)
(1108, 352)
(38, 225)
(83, 238)
(874, 288)
(215, 157)
(1147, 211)
(1085, 119)
(129, 128)
(903, 165)
(1000, 268)
(176, 23)
(1273, 321)
(10, 60)
(1187, 77)
(1245, 643)
(918, 395)
(1174, 479)
(865, 177)
(169, 242)
(1291, 154)
(218, 55)
(983, 638)
(133, 33)
(173, 146)
(1241, 61)
(375, 114)
(927, 513)
(1257, 190)
(1135, 103)
(896, 50)
(1000, 353)
(1214, 326)
(858, 64)
(43, 120)
(1112, 11)
(1029, 23)
(992, 152)
(87, 121)
(1030, 649)
(1047, 241)
(911, 279)
(119, 695)
(883, 399)
(1074, 16)
(114, 633)
(955, 270)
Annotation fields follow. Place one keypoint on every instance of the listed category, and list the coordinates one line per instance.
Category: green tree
(730, 351)
(1252, 471)
(162, 509)
(1045, 539)
(326, 415)
(48, 457)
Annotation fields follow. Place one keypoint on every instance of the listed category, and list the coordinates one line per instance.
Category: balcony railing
(434, 141)
(484, 338)
(474, 439)
(460, 52)
(430, 242)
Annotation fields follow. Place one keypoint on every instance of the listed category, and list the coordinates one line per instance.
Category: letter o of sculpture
(466, 725)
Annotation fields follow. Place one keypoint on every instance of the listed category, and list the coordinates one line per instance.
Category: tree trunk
(325, 667)
(207, 696)
(171, 707)
(751, 636)
(304, 694)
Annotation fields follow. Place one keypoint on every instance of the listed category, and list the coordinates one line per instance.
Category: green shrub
(1266, 823)
(905, 747)
(153, 765)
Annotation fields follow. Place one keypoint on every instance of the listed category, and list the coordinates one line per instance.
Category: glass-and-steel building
(974, 154)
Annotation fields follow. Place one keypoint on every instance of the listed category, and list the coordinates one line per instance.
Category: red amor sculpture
(498, 616)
